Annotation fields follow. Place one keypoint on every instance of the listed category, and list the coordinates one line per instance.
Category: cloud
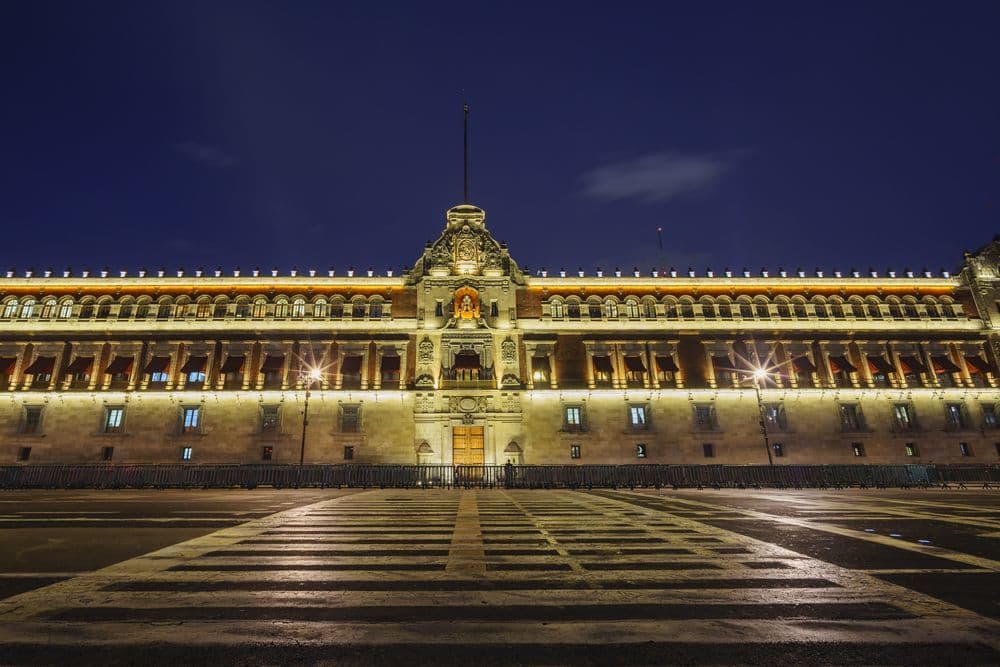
(657, 177)
(206, 154)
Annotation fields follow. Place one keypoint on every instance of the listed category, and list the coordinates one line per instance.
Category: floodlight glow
(759, 374)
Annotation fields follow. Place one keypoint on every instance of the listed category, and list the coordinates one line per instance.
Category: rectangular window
(348, 452)
(113, 419)
(774, 417)
(574, 451)
(903, 415)
(269, 419)
(573, 418)
(911, 449)
(186, 453)
(192, 420)
(196, 377)
(708, 449)
(990, 420)
(640, 451)
(266, 453)
(964, 449)
(24, 453)
(779, 449)
(32, 419)
(438, 308)
(350, 418)
(107, 453)
(850, 417)
(158, 377)
(637, 417)
(954, 414)
(858, 448)
(704, 417)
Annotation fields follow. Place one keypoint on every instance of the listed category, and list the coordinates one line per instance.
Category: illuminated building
(465, 359)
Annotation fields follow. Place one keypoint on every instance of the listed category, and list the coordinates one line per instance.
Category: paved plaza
(500, 577)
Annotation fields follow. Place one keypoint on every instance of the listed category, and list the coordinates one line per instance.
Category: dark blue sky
(304, 134)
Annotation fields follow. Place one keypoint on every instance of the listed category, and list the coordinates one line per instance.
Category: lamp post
(758, 375)
(312, 376)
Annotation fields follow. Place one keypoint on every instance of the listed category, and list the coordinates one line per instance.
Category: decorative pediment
(466, 247)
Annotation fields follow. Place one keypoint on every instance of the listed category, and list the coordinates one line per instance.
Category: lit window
(269, 419)
(558, 310)
(27, 309)
(903, 414)
(774, 416)
(299, 308)
(192, 419)
(281, 309)
(195, 377)
(640, 451)
(637, 416)
(850, 418)
(574, 451)
(911, 449)
(10, 310)
(964, 449)
(65, 310)
(858, 448)
(48, 309)
(955, 416)
(186, 453)
(321, 309)
(611, 310)
(259, 309)
(158, 377)
(203, 311)
(990, 419)
(113, 418)
(573, 418)
(632, 310)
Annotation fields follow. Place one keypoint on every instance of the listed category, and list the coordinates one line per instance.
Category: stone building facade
(466, 359)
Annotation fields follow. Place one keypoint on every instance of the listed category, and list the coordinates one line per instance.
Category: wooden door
(467, 445)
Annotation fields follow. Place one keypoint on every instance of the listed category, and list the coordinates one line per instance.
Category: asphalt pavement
(500, 577)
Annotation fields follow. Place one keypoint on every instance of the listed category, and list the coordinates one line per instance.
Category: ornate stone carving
(425, 351)
(510, 403)
(423, 403)
(508, 351)
(424, 380)
(468, 403)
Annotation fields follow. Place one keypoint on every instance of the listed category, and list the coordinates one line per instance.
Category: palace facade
(466, 359)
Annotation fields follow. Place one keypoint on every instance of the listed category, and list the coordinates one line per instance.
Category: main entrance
(467, 445)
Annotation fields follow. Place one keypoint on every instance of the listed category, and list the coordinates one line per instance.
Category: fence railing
(490, 476)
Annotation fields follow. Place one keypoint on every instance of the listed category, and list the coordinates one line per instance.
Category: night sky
(281, 134)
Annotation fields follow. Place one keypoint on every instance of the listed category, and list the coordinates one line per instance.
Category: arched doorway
(513, 454)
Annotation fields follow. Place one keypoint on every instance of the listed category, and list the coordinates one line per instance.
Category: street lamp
(759, 375)
(311, 376)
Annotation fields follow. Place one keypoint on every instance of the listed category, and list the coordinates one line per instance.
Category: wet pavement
(500, 577)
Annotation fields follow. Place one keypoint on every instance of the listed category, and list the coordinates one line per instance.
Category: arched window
(103, 310)
(220, 309)
(281, 308)
(336, 309)
(65, 310)
(259, 309)
(321, 309)
(375, 309)
(164, 311)
(611, 310)
(27, 308)
(10, 310)
(557, 309)
(874, 311)
(48, 309)
(573, 310)
(299, 307)
(650, 310)
(242, 308)
(86, 310)
(632, 309)
(358, 309)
